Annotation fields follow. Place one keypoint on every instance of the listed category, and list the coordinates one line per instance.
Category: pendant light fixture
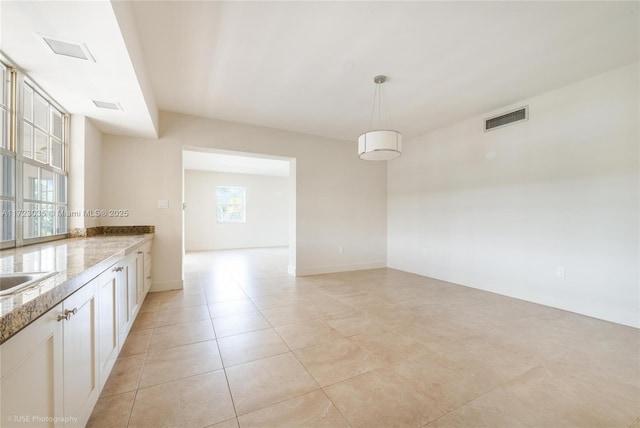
(380, 143)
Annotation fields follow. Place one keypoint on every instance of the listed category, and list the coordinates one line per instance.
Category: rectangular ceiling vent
(515, 116)
(107, 105)
(67, 48)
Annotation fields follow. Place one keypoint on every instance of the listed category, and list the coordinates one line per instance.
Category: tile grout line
(135, 395)
(307, 371)
(226, 377)
(483, 394)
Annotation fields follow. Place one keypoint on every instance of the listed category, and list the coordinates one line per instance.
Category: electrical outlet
(163, 203)
(560, 271)
(340, 249)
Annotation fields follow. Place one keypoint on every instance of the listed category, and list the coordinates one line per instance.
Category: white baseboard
(167, 285)
(316, 270)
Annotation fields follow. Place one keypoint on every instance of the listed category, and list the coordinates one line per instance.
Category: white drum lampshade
(380, 145)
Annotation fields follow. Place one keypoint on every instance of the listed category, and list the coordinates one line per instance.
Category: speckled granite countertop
(76, 261)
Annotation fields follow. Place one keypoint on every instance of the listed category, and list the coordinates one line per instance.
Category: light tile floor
(244, 344)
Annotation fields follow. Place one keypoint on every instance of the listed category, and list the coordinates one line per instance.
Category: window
(4, 106)
(231, 204)
(33, 152)
(7, 164)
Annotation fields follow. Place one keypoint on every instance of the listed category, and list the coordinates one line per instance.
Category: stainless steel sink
(12, 282)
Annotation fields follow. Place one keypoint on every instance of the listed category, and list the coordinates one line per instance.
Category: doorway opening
(237, 201)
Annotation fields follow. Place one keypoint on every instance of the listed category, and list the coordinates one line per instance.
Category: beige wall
(502, 210)
(340, 200)
(267, 212)
(85, 153)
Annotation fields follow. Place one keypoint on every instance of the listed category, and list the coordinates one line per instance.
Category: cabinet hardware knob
(117, 269)
(68, 313)
(140, 252)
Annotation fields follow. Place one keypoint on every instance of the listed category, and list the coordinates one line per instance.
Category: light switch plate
(163, 203)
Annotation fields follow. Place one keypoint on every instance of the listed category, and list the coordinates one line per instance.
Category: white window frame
(15, 150)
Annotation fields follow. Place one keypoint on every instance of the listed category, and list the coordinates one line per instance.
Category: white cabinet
(146, 250)
(140, 277)
(50, 369)
(126, 295)
(80, 355)
(31, 374)
(108, 339)
(143, 271)
(52, 372)
(133, 266)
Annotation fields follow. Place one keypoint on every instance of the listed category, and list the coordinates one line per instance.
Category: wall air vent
(518, 115)
(107, 105)
(67, 48)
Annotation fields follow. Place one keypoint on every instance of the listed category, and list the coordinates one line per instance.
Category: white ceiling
(117, 75)
(308, 66)
(217, 162)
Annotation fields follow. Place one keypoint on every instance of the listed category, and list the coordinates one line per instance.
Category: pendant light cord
(380, 99)
(373, 107)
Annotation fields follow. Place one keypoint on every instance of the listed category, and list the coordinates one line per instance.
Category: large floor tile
(389, 345)
(287, 315)
(309, 410)
(125, 375)
(307, 333)
(137, 343)
(112, 411)
(245, 347)
(353, 323)
(367, 302)
(197, 401)
(279, 300)
(181, 334)
(328, 307)
(181, 315)
(480, 416)
(229, 423)
(151, 303)
(436, 333)
(333, 362)
(181, 361)
(241, 323)
(181, 299)
(444, 382)
(268, 381)
(379, 348)
(543, 397)
(382, 399)
(486, 358)
(224, 294)
(145, 320)
(233, 307)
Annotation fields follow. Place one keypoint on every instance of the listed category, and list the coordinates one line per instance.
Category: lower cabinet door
(31, 375)
(107, 323)
(81, 383)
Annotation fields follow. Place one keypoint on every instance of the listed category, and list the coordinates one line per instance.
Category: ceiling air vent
(67, 48)
(519, 115)
(107, 105)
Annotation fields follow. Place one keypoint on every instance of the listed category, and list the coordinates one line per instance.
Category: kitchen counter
(76, 261)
